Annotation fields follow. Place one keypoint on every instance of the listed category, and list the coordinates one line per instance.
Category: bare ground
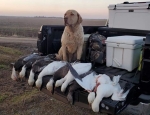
(17, 98)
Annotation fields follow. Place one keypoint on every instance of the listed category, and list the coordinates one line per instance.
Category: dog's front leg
(59, 56)
(70, 56)
(64, 52)
(79, 52)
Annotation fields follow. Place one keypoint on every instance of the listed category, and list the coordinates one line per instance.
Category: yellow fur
(72, 38)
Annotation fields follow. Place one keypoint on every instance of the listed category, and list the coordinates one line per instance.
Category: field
(29, 26)
(17, 98)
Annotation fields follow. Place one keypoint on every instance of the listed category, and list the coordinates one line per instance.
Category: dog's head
(72, 17)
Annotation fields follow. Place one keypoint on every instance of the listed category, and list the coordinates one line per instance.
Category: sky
(91, 9)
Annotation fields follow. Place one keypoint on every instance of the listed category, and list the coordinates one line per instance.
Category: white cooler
(130, 16)
(123, 51)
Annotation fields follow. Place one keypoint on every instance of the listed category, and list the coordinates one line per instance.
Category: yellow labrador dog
(72, 38)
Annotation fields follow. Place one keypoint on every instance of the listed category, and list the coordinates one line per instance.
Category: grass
(3, 66)
(8, 55)
(9, 51)
(2, 97)
(18, 31)
(27, 95)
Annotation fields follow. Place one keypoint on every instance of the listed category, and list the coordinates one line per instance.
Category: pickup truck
(49, 42)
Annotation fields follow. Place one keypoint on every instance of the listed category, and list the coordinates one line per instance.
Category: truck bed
(132, 77)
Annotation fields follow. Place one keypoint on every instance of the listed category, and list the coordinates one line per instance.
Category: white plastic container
(123, 51)
(130, 16)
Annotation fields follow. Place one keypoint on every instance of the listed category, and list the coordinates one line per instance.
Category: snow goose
(37, 67)
(80, 68)
(103, 86)
(19, 64)
(60, 73)
(29, 65)
(50, 69)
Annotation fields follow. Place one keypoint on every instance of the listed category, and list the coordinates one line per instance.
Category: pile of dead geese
(78, 75)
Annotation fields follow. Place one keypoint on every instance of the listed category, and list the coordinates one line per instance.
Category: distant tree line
(46, 17)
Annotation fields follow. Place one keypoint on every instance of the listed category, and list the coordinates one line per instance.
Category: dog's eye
(72, 14)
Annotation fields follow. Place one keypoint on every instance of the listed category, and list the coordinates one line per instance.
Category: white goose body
(37, 67)
(49, 85)
(106, 90)
(80, 69)
(50, 69)
(31, 78)
(89, 81)
(14, 75)
(22, 72)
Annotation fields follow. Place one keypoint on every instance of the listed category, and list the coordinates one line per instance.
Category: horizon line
(47, 17)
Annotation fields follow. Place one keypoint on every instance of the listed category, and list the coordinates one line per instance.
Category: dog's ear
(79, 19)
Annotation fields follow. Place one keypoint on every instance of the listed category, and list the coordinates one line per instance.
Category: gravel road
(17, 40)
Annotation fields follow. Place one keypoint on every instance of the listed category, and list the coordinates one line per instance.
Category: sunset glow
(56, 8)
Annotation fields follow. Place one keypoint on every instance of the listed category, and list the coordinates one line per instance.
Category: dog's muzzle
(65, 21)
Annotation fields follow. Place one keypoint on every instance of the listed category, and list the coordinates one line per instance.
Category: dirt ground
(17, 98)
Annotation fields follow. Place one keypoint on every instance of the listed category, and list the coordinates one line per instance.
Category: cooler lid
(112, 7)
(125, 39)
(134, 5)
